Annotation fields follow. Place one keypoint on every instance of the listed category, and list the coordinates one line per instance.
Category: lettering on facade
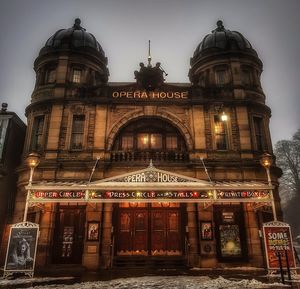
(155, 95)
(242, 194)
(146, 177)
(58, 195)
(140, 195)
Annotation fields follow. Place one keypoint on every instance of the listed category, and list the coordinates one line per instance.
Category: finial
(151, 166)
(4, 107)
(220, 26)
(149, 54)
(77, 25)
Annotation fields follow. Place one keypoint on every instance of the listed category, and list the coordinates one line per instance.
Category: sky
(175, 27)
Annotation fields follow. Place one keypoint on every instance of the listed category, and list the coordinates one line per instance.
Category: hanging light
(224, 116)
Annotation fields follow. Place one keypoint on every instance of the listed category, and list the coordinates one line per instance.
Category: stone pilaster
(106, 236)
(91, 252)
(192, 234)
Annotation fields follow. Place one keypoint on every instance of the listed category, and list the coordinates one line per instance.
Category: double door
(149, 231)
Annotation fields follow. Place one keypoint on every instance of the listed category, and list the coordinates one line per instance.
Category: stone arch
(138, 114)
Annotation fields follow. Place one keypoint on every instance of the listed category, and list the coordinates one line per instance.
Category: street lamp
(266, 161)
(32, 160)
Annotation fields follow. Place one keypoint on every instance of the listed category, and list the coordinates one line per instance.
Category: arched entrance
(149, 229)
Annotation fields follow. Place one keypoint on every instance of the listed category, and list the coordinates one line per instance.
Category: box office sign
(277, 239)
(21, 250)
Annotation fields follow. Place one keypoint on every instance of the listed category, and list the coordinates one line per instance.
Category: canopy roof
(148, 185)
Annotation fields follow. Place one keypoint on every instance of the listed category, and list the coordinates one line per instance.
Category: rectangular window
(220, 133)
(51, 76)
(220, 77)
(37, 133)
(76, 78)
(259, 133)
(127, 142)
(142, 141)
(155, 141)
(246, 77)
(171, 142)
(77, 132)
(3, 129)
(149, 141)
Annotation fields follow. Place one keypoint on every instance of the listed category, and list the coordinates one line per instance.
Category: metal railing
(166, 156)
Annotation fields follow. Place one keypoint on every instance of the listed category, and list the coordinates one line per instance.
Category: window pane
(127, 142)
(220, 76)
(76, 75)
(77, 132)
(171, 142)
(246, 78)
(259, 135)
(143, 141)
(3, 127)
(220, 133)
(156, 141)
(51, 76)
(37, 133)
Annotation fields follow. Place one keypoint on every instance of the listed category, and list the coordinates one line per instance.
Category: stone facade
(77, 116)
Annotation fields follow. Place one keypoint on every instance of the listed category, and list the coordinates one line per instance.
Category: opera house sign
(154, 95)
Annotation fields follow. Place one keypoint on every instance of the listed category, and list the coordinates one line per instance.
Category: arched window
(149, 135)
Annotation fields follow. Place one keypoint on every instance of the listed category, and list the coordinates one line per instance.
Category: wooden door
(132, 232)
(69, 235)
(165, 234)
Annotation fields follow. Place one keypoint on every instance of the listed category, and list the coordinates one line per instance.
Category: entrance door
(165, 235)
(149, 231)
(69, 235)
(133, 232)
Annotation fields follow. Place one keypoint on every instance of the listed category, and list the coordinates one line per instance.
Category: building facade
(173, 169)
(12, 135)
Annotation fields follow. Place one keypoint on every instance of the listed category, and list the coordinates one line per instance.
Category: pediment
(151, 175)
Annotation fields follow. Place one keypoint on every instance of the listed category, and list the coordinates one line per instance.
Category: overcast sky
(175, 28)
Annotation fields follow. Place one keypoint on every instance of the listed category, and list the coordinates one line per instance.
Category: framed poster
(21, 249)
(230, 242)
(278, 240)
(206, 230)
(93, 231)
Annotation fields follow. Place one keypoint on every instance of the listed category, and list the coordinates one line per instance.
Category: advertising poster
(21, 249)
(277, 237)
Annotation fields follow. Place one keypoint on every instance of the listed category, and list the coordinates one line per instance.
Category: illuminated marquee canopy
(148, 185)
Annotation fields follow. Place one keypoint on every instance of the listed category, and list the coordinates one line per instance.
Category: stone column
(192, 233)
(106, 236)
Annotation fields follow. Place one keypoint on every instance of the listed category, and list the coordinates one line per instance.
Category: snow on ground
(21, 281)
(162, 282)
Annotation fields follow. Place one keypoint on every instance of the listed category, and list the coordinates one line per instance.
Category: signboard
(57, 195)
(277, 239)
(155, 95)
(146, 195)
(21, 250)
(243, 194)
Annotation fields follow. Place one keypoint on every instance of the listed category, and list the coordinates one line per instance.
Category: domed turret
(226, 59)
(72, 38)
(222, 39)
(73, 60)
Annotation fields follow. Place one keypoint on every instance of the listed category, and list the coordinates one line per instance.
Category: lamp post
(32, 161)
(266, 161)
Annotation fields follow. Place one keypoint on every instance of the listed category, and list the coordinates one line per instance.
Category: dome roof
(223, 39)
(74, 37)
